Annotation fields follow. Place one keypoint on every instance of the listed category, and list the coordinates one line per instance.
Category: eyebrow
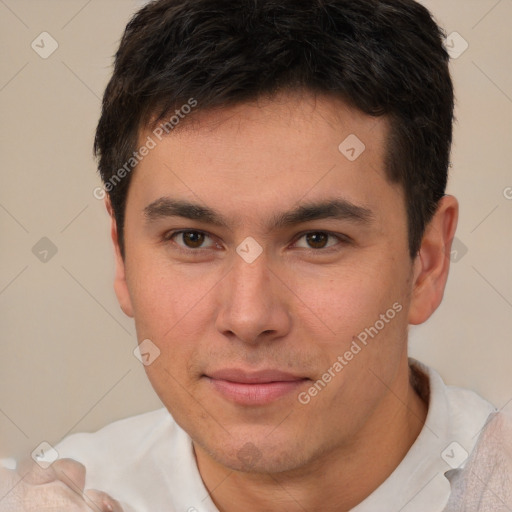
(338, 208)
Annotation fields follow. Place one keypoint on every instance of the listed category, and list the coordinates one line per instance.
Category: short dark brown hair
(383, 57)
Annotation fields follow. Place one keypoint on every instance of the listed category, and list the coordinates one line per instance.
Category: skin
(296, 308)
(58, 488)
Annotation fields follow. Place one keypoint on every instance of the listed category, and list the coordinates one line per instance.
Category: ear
(432, 263)
(120, 285)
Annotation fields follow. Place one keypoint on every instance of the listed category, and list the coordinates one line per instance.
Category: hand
(59, 488)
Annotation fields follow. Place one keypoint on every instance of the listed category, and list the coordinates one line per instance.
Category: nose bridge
(250, 302)
(249, 283)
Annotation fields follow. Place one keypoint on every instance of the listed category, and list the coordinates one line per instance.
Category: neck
(334, 482)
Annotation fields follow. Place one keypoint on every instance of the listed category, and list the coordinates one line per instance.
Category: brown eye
(193, 239)
(190, 239)
(317, 240)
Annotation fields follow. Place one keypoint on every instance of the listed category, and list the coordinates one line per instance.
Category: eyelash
(342, 240)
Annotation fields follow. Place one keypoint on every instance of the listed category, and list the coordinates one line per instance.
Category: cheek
(169, 297)
(351, 297)
(174, 307)
(170, 309)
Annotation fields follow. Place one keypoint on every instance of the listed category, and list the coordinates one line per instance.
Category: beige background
(66, 361)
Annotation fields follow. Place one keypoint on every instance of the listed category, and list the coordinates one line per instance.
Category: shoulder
(126, 433)
(145, 460)
(128, 447)
(458, 411)
(467, 403)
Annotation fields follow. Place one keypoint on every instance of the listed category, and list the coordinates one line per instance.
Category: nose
(253, 304)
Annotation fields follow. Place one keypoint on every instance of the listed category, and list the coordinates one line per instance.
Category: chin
(260, 457)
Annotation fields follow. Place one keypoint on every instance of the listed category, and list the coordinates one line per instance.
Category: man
(275, 174)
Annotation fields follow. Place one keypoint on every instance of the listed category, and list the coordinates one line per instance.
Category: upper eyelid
(171, 234)
(339, 236)
(341, 239)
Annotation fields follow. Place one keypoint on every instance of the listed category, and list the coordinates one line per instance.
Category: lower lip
(255, 394)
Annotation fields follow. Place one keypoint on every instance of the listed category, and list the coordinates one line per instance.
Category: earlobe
(433, 261)
(120, 283)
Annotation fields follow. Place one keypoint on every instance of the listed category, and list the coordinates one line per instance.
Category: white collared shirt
(147, 462)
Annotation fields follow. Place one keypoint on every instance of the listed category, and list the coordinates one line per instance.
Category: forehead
(270, 151)
(288, 109)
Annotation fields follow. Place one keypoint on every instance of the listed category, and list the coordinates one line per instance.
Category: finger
(33, 474)
(101, 501)
(67, 470)
(71, 472)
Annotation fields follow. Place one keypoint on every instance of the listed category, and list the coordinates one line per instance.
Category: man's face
(244, 336)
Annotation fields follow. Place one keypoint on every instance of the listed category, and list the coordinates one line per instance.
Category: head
(276, 175)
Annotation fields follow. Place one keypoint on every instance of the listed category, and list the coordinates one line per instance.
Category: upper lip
(254, 377)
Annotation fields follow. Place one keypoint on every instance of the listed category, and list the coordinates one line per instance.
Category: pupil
(194, 238)
(317, 240)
